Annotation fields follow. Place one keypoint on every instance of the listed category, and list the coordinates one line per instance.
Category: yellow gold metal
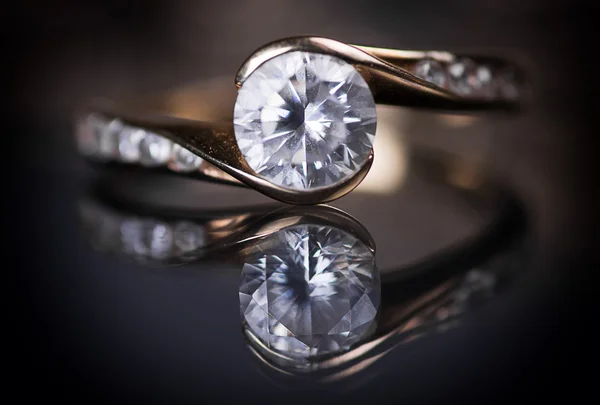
(387, 71)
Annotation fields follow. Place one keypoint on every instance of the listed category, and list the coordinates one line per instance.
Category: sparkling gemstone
(461, 77)
(97, 136)
(129, 144)
(431, 71)
(484, 81)
(184, 160)
(309, 290)
(155, 150)
(109, 140)
(305, 120)
(132, 238)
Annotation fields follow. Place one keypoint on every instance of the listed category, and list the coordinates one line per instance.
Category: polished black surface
(146, 318)
(95, 327)
(427, 297)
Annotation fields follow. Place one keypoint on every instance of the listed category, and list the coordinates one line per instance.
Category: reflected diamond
(309, 290)
(146, 238)
(189, 236)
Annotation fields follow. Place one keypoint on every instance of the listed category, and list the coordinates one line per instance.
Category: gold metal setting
(388, 73)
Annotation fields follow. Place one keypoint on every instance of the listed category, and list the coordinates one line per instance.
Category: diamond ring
(304, 120)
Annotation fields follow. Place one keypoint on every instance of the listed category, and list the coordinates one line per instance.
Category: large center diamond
(305, 120)
(309, 290)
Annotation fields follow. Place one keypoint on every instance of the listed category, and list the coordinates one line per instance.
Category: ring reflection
(308, 291)
(313, 303)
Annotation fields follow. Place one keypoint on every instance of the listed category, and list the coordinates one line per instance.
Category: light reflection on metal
(389, 170)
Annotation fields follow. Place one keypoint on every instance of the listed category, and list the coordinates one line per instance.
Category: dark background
(531, 344)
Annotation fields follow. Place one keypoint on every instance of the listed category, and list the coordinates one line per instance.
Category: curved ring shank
(207, 132)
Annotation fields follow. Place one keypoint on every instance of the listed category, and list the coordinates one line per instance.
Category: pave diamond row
(141, 238)
(111, 140)
(468, 78)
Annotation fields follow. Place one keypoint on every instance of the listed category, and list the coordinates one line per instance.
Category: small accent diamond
(97, 136)
(484, 81)
(129, 144)
(87, 140)
(462, 76)
(109, 140)
(431, 71)
(184, 160)
(155, 150)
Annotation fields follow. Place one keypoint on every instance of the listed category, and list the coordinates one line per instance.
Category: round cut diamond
(484, 81)
(155, 150)
(129, 144)
(304, 120)
(97, 136)
(309, 290)
(184, 160)
(462, 77)
(432, 71)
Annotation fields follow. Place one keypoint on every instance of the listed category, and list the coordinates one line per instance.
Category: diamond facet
(431, 71)
(309, 290)
(155, 150)
(304, 120)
